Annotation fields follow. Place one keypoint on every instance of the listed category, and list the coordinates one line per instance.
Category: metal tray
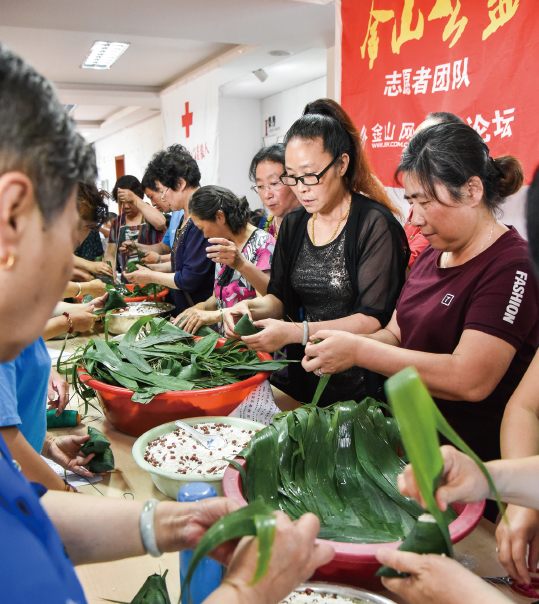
(353, 593)
(119, 323)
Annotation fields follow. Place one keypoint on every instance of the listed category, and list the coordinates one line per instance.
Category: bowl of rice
(329, 593)
(174, 458)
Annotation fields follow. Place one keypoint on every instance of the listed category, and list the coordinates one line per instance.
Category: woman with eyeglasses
(340, 259)
(266, 169)
(242, 255)
(137, 222)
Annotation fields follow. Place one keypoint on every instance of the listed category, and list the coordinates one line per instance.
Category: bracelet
(69, 488)
(159, 258)
(147, 530)
(305, 333)
(222, 318)
(80, 289)
(71, 326)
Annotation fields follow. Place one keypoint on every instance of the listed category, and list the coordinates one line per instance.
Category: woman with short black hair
(241, 252)
(340, 259)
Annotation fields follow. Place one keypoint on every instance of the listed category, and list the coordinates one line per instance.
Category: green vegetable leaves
(256, 519)
(245, 327)
(338, 462)
(155, 356)
(420, 420)
(113, 302)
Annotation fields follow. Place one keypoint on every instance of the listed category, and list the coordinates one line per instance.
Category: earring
(7, 264)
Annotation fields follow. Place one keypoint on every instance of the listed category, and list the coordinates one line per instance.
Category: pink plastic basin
(355, 563)
(135, 418)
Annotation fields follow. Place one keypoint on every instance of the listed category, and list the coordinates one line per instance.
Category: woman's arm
(111, 255)
(94, 288)
(32, 466)
(152, 215)
(148, 275)
(467, 374)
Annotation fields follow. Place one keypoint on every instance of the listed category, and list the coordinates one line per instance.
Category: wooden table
(122, 579)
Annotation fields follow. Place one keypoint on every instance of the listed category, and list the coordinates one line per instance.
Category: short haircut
(38, 138)
(273, 153)
(444, 117)
(128, 182)
(207, 201)
(168, 166)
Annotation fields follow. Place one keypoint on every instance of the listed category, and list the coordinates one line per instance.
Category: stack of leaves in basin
(339, 462)
(155, 356)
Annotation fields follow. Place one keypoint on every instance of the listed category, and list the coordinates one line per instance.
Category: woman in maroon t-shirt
(467, 317)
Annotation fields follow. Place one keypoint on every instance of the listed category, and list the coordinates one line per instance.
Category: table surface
(121, 580)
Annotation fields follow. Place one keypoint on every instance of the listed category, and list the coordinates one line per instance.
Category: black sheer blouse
(376, 256)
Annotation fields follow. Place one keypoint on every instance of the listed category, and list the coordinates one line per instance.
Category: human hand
(80, 275)
(334, 354)
(294, 559)
(225, 252)
(97, 303)
(127, 196)
(461, 480)
(180, 526)
(83, 319)
(57, 392)
(141, 276)
(232, 315)
(127, 247)
(274, 336)
(518, 542)
(101, 268)
(65, 451)
(437, 579)
(192, 318)
(96, 288)
(151, 258)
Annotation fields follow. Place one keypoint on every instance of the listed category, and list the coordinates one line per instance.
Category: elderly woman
(41, 530)
(138, 222)
(174, 175)
(468, 316)
(241, 252)
(340, 259)
(265, 171)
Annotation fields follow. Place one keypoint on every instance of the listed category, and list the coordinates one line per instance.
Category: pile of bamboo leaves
(339, 462)
(155, 356)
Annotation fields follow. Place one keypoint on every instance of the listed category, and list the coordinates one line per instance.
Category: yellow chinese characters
(503, 11)
(444, 8)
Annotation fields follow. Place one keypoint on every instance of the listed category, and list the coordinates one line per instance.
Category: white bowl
(345, 591)
(169, 483)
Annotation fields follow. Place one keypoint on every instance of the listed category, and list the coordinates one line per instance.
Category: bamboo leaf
(245, 327)
(265, 531)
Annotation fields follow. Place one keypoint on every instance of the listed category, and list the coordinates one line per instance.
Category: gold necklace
(335, 231)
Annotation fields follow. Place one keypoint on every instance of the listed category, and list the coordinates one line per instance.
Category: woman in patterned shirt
(241, 252)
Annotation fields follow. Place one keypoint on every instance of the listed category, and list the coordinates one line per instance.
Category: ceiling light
(261, 75)
(279, 53)
(103, 54)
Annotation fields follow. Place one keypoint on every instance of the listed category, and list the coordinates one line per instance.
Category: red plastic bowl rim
(258, 378)
(458, 529)
(161, 294)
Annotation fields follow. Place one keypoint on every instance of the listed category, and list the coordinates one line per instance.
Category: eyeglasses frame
(318, 176)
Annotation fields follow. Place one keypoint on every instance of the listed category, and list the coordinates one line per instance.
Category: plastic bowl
(135, 418)
(169, 483)
(355, 563)
(131, 286)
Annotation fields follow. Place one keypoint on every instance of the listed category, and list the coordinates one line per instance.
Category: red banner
(402, 59)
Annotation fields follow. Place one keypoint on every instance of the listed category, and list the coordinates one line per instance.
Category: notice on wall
(190, 118)
(403, 59)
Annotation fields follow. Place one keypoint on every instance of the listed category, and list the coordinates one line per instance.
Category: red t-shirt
(495, 293)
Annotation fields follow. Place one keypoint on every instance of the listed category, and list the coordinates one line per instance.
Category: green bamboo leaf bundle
(255, 519)
(155, 356)
(99, 444)
(340, 463)
(420, 420)
(245, 327)
(107, 279)
(154, 591)
(113, 302)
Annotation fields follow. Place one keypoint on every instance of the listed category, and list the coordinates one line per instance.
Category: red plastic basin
(355, 563)
(135, 418)
(131, 287)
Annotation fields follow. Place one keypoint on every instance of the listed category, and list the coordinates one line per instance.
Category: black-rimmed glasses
(307, 179)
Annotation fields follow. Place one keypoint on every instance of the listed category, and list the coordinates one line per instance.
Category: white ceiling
(169, 39)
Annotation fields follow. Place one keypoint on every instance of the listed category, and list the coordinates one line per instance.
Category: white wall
(239, 140)
(287, 107)
(137, 144)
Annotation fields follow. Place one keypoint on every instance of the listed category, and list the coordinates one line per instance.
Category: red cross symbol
(187, 119)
